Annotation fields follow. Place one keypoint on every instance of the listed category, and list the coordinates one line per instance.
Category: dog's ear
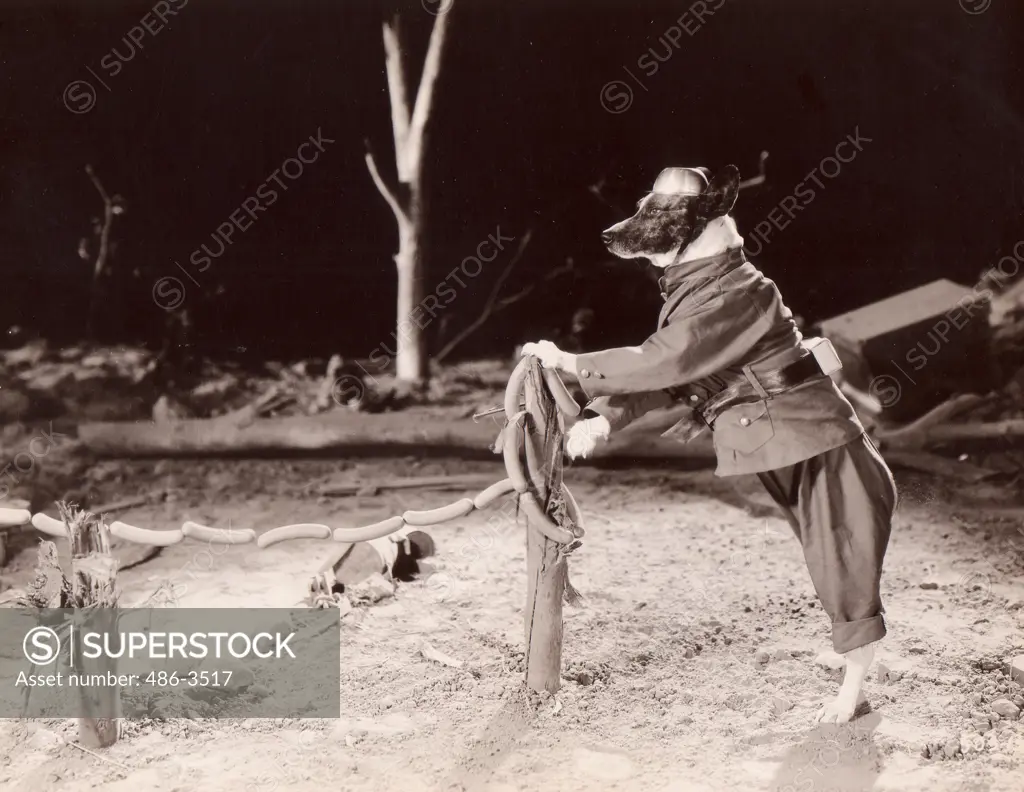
(720, 196)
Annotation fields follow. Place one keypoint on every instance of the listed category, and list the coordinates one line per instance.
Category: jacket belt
(760, 387)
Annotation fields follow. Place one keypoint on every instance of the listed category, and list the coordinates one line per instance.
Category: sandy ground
(691, 665)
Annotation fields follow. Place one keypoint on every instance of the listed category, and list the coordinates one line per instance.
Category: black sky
(211, 105)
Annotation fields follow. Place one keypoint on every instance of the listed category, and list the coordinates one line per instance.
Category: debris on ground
(430, 653)
(937, 375)
(906, 354)
(990, 720)
(373, 589)
(122, 383)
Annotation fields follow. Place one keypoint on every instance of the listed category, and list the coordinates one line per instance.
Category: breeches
(840, 505)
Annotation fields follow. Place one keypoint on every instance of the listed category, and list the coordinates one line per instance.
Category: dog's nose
(606, 237)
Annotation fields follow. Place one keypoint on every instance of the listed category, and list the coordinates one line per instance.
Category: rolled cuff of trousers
(847, 636)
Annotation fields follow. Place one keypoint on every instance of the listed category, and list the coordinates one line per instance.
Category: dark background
(213, 104)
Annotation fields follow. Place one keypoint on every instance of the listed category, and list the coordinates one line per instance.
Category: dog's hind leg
(842, 708)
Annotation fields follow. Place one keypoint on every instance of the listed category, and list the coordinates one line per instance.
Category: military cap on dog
(681, 181)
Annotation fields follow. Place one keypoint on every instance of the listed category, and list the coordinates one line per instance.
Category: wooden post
(545, 576)
(93, 586)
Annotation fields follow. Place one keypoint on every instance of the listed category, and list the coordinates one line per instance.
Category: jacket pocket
(745, 427)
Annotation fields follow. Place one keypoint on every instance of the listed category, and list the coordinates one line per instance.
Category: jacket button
(584, 373)
(694, 398)
(744, 422)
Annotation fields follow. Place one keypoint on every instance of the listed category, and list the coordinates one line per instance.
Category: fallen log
(121, 505)
(1011, 429)
(414, 430)
(419, 482)
(934, 427)
(939, 466)
(916, 434)
(293, 433)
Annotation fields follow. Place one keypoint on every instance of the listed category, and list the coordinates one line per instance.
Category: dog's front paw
(549, 355)
(584, 436)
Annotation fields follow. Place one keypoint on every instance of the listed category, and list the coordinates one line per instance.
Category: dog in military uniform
(727, 346)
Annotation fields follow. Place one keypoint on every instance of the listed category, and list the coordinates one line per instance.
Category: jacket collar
(676, 274)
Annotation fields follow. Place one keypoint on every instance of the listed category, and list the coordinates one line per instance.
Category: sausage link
(297, 531)
(12, 517)
(368, 532)
(146, 536)
(515, 387)
(566, 403)
(510, 453)
(574, 511)
(493, 492)
(541, 521)
(226, 536)
(48, 525)
(443, 514)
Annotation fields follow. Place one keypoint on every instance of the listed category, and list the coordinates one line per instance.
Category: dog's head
(673, 214)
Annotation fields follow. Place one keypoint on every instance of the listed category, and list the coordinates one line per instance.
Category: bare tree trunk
(409, 123)
(411, 358)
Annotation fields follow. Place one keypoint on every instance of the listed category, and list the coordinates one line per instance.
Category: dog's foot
(840, 710)
(845, 705)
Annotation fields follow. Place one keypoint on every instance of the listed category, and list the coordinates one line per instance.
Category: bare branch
(109, 210)
(493, 305)
(383, 189)
(99, 186)
(760, 178)
(597, 190)
(496, 288)
(425, 93)
(398, 94)
(550, 275)
(108, 219)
